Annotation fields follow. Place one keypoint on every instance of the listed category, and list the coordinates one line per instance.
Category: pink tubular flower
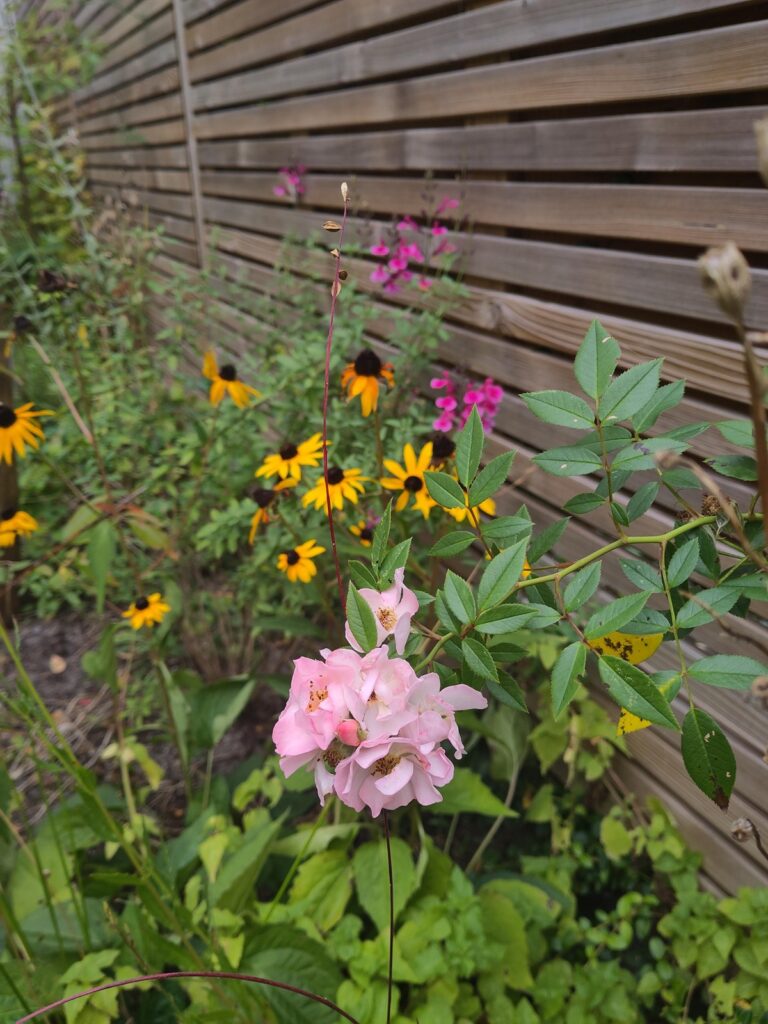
(391, 772)
(425, 283)
(407, 224)
(410, 252)
(439, 229)
(397, 264)
(393, 609)
(380, 275)
(441, 382)
(278, 190)
(447, 204)
(379, 249)
(447, 402)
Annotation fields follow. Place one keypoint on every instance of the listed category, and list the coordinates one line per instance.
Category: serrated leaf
(381, 536)
(507, 692)
(642, 454)
(642, 575)
(582, 586)
(469, 448)
(708, 757)
(614, 615)
(361, 574)
(490, 478)
(642, 500)
(683, 562)
(452, 544)
(560, 408)
(581, 504)
(500, 575)
(631, 688)
(445, 490)
(738, 467)
(546, 540)
(565, 676)
(459, 597)
(478, 659)
(596, 360)
(395, 558)
(504, 618)
(666, 397)
(505, 530)
(739, 432)
(630, 392)
(361, 619)
(632, 647)
(705, 606)
(731, 671)
(571, 461)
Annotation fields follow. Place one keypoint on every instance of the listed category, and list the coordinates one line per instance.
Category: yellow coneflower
(443, 449)
(147, 611)
(410, 480)
(289, 460)
(363, 530)
(473, 514)
(15, 524)
(18, 428)
(224, 382)
(343, 484)
(297, 563)
(264, 496)
(362, 378)
(527, 570)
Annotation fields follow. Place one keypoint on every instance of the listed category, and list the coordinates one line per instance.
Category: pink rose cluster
(412, 243)
(292, 182)
(486, 397)
(371, 728)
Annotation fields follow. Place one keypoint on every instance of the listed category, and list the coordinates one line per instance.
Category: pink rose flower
(392, 609)
(435, 711)
(390, 773)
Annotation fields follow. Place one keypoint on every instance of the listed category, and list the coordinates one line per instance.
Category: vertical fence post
(185, 90)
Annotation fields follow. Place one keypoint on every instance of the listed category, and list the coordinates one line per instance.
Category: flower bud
(742, 830)
(348, 732)
(761, 134)
(726, 277)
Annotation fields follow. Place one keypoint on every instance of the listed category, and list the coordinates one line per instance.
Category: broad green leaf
(459, 597)
(560, 408)
(571, 461)
(381, 536)
(445, 490)
(503, 924)
(370, 869)
(630, 392)
(490, 478)
(469, 448)
(467, 793)
(504, 618)
(361, 619)
(642, 500)
(666, 397)
(361, 574)
(582, 586)
(739, 432)
(500, 575)
(544, 541)
(565, 676)
(452, 544)
(683, 562)
(708, 757)
(234, 883)
(642, 575)
(478, 659)
(505, 530)
(642, 454)
(395, 558)
(213, 709)
(738, 467)
(615, 837)
(632, 689)
(614, 615)
(101, 553)
(705, 606)
(732, 671)
(581, 504)
(596, 360)
(753, 585)
(507, 692)
(618, 514)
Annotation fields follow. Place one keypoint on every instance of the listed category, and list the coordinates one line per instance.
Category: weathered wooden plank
(330, 22)
(162, 108)
(720, 60)
(139, 38)
(150, 60)
(508, 26)
(163, 133)
(716, 140)
(171, 181)
(236, 19)
(158, 156)
(150, 86)
(161, 202)
(128, 25)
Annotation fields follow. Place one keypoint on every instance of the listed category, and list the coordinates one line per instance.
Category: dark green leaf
(582, 586)
(507, 529)
(632, 689)
(565, 676)
(395, 558)
(507, 692)
(630, 392)
(708, 757)
(381, 536)
(666, 397)
(459, 597)
(500, 575)
(504, 618)
(705, 606)
(445, 490)
(547, 539)
(581, 504)
(361, 619)
(545, 616)
(478, 659)
(683, 562)
(452, 544)
(101, 552)
(732, 671)
(614, 615)
(560, 408)
(738, 467)
(618, 514)
(642, 575)
(642, 454)
(571, 461)
(361, 574)
(213, 709)
(642, 500)
(490, 478)
(469, 448)
(596, 360)
(738, 432)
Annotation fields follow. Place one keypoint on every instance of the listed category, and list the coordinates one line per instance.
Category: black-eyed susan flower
(410, 479)
(362, 378)
(291, 457)
(14, 524)
(297, 563)
(18, 427)
(473, 514)
(264, 497)
(443, 449)
(224, 382)
(147, 611)
(363, 530)
(343, 485)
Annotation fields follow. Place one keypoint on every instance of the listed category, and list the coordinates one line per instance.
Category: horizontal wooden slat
(149, 86)
(130, 24)
(722, 60)
(171, 181)
(158, 156)
(150, 60)
(236, 17)
(162, 133)
(165, 107)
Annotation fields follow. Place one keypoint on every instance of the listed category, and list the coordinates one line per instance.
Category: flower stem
(391, 916)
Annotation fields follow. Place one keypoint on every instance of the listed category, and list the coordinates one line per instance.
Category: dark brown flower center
(228, 372)
(442, 447)
(335, 475)
(367, 364)
(289, 451)
(366, 533)
(141, 603)
(7, 416)
(292, 557)
(262, 496)
(413, 484)
(7, 514)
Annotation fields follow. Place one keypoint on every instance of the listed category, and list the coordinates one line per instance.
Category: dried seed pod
(335, 253)
(343, 275)
(336, 289)
(710, 506)
(761, 134)
(331, 225)
(726, 277)
(344, 191)
(742, 830)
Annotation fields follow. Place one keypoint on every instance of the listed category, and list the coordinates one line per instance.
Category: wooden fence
(597, 147)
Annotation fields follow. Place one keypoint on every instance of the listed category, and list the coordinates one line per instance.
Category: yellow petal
(210, 370)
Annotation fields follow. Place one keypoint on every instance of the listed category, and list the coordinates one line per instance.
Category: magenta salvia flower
(486, 397)
(369, 727)
(446, 204)
(379, 249)
(407, 224)
(439, 229)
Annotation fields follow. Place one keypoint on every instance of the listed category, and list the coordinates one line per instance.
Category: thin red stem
(328, 507)
(188, 974)
(391, 916)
